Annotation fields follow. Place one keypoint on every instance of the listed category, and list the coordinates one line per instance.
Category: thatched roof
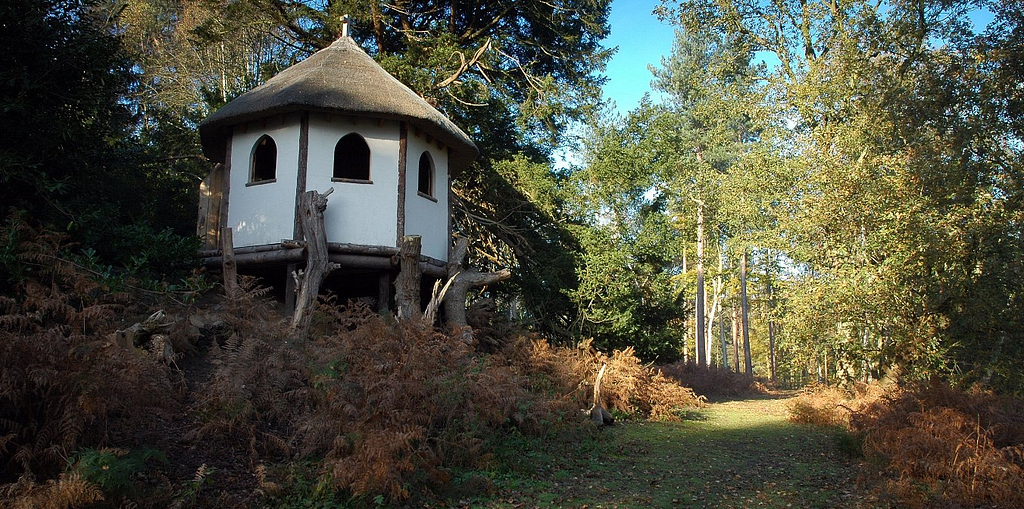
(340, 79)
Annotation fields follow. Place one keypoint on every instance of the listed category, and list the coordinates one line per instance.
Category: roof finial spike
(344, 26)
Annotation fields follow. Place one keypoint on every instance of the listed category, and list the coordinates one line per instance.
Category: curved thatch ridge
(342, 79)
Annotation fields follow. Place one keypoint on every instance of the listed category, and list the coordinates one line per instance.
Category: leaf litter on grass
(741, 453)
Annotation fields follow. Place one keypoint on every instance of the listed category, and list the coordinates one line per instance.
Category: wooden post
(407, 286)
(311, 209)
(403, 157)
(455, 299)
(303, 170)
(383, 292)
(289, 287)
(230, 268)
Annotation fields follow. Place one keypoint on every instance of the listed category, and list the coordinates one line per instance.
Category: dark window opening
(426, 175)
(264, 160)
(352, 158)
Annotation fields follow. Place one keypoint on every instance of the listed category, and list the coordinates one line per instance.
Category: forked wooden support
(311, 209)
(461, 282)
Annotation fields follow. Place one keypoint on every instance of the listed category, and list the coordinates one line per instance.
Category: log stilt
(311, 209)
(464, 280)
(230, 268)
(383, 293)
(407, 285)
(289, 288)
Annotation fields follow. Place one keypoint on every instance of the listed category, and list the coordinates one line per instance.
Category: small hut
(336, 119)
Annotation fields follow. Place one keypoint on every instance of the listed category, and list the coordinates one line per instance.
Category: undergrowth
(368, 411)
(714, 381)
(62, 383)
(939, 446)
(393, 408)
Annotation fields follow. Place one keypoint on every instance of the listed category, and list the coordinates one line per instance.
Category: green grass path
(732, 454)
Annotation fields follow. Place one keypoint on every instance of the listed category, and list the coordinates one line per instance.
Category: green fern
(115, 470)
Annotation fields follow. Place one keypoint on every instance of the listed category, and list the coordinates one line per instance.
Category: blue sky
(642, 41)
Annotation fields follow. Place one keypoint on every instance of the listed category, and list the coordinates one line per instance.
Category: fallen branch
(436, 297)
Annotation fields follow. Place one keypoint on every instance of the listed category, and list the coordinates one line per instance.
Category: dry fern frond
(68, 490)
(947, 446)
(629, 386)
(66, 389)
(714, 380)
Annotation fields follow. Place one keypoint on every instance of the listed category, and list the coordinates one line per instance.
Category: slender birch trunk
(771, 318)
(744, 311)
(721, 310)
(736, 337)
(702, 353)
(716, 305)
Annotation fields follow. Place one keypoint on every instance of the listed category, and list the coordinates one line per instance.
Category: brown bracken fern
(368, 405)
(940, 446)
(63, 385)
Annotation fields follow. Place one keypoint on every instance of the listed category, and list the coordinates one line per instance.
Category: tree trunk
(721, 338)
(715, 308)
(686, 342)
(455, 298)
(736, 337)
(407, 285)
(702, 354)
(771, 316)
(712, 314)
(311, 209)
(744, 308)
(824, 356)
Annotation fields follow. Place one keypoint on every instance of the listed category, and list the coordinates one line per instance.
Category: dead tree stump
(407, 284)
(597, 413)
(311, 209)
(462, 282)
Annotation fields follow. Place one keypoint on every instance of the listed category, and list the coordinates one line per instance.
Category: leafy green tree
(60, 83)
(709, 80)
(901, 218)
(667, 165)
(628, 293)
(70, 154)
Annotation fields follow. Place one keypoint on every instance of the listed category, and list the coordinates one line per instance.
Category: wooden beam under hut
(352, 256)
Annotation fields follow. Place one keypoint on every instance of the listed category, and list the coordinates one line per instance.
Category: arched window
(425, 183)
(352, 158)
(264, 160)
